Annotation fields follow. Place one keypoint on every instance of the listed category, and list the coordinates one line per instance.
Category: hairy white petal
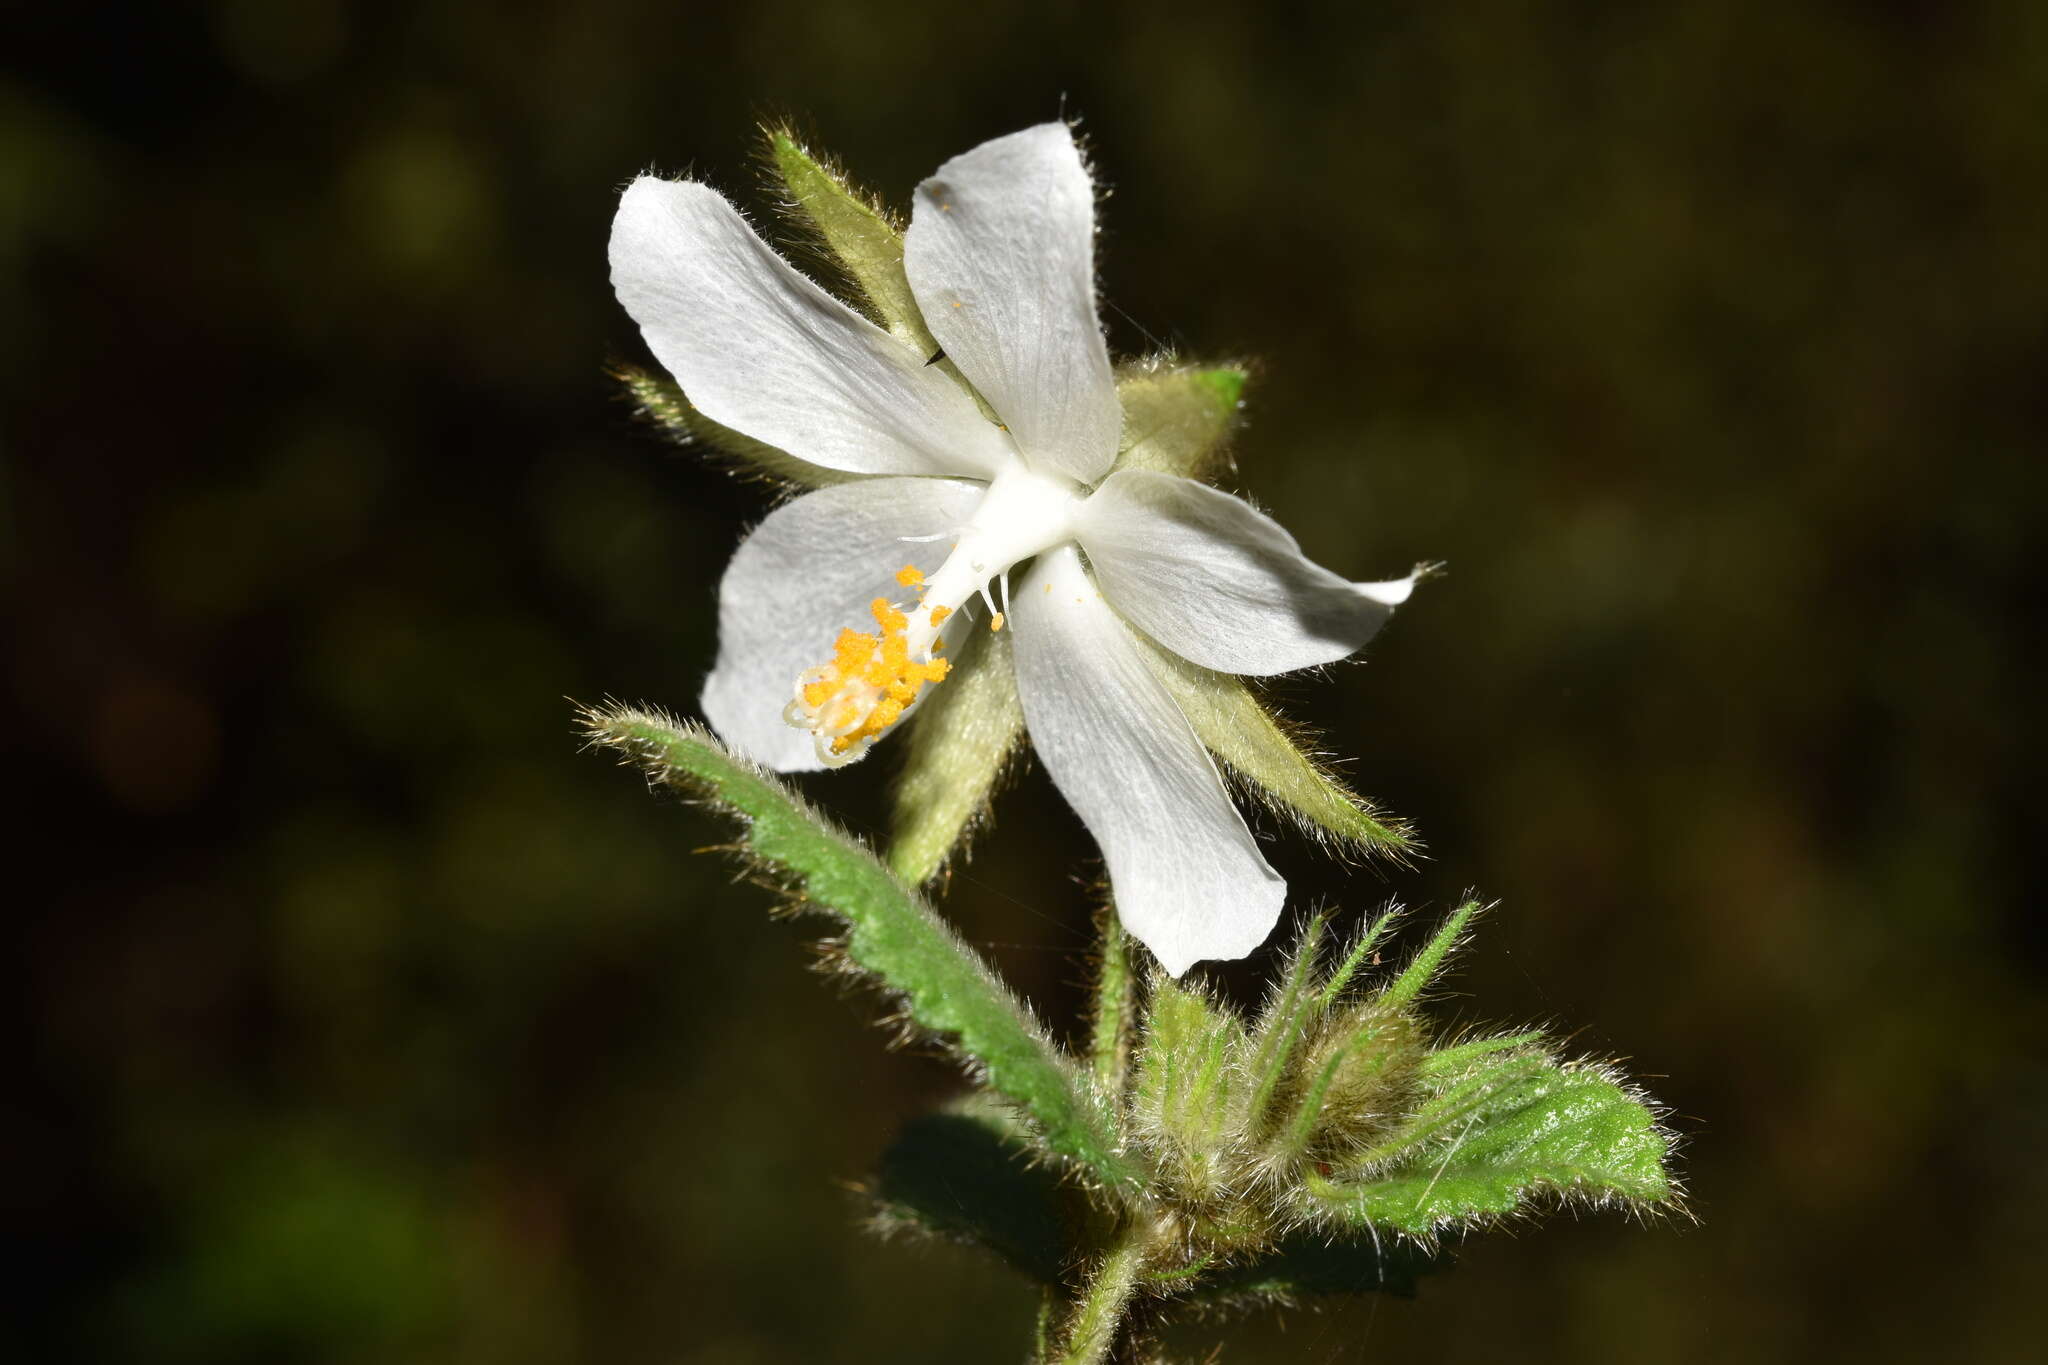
(806, 573)
(1219, 583)
(1189, 881)
(765, 351)
(1001, 256)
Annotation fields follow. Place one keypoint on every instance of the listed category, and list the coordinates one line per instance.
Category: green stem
(1042, 1330)
(1100, 1312)
(1109, 1043)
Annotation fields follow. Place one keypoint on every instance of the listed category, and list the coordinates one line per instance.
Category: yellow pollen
(939, 615)
(995, 622)
(871, 681)
(852, 650)
(887, 617)
(910, 576)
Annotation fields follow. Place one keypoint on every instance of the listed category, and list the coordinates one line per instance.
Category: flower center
(873, 680)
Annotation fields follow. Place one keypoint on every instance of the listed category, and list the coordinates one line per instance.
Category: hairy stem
(1100, 1313)
(1109, 1041)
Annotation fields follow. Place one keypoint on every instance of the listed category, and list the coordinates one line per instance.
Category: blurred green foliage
(366, 1020)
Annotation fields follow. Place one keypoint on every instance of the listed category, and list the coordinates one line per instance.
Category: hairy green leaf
(858, 231)
(1178, 419)
(891, 934)
(1269, 762)
(962, 740)
(1511, 1127)
(659, 400)
(969, 1173)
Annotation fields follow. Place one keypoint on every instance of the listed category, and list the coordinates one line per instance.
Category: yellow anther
(852, 650)
(910, 576)
(886, 616)
(996, 622)
(871, 681)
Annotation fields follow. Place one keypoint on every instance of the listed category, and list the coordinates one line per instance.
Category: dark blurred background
(365, 1019)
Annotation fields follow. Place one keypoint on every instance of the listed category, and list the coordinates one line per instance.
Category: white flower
(835, 613)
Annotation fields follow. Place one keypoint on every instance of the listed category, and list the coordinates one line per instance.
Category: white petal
(763, 350)
(1001, 256)
(805, 574)
(1189, 880)
(1220, 584)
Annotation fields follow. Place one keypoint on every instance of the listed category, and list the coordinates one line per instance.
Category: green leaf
(962, 741)
(1178, 419)
(969, 1173)
(1269, 762)
(659, 401)
(1510, 1128)
(891, 934)
(858, 231)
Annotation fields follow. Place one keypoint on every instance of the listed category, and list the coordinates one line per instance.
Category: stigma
(875, 679)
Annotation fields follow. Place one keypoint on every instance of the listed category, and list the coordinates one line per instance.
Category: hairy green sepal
(1178, 419)
(858, 232)
(891, 935)
(960, 742)
(1269, 763)
(659, 401)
